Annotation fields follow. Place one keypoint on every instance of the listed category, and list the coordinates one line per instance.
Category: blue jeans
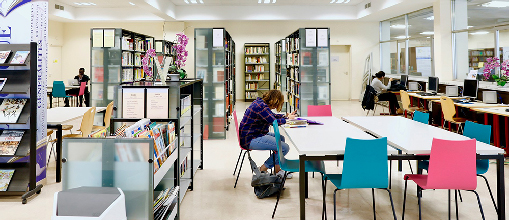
(268, 142)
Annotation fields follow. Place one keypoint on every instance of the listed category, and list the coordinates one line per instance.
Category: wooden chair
(449, 111)
(107, 117)
(405, 101)
(86, 124)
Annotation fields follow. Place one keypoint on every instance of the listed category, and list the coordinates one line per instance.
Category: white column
(443, 40)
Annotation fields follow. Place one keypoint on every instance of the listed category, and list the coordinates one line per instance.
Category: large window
(480, 31)
(406, 44)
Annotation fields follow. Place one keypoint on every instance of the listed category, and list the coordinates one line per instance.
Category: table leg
(302, 187)
(506, 135)
(496, 129)
(486, 118)
(426, 104)
(411, 101)
(500, 187)
(400, 162)
(51, 101)
(59, 153)
(306, 184)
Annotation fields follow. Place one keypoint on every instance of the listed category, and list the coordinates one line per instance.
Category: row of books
(127, 43)
(251, 86)
(255, 68)
(5, 179)
(139, 74)
(184, 166)
(165, 203)
(294, 101)
(292, 44)
(256, 50)
(292, 59)
(185, 103)
(259, 76)
(488, 53)
(256, 60)
(127, 75)
(11, 109)
(19, 57)
(127, 59)
(294, 87)
(9, 141)
(294, 73)
(251, 95)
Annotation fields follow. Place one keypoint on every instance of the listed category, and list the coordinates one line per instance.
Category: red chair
(452, 165)
(319, 110)
(83, 85)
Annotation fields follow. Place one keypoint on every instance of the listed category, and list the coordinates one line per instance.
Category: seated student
(254, 127)
(81, 77)
(381, 89)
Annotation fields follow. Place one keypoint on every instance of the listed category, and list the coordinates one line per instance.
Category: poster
(109, 37)
(97, 38)
(157, 103)
(133, 103)
(323, 38)
(423, 60)
(310, 37)
(217, 37)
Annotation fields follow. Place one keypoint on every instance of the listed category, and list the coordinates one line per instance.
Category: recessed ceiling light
(495, 4)
(399, 26)
(427, 33)
(480, 32)
(131, 3)
(469, 27)
(402, 37)
(431, 18)
(266, 1)
(193, 1)
(187, 2)
(84, 3)
(340, 1)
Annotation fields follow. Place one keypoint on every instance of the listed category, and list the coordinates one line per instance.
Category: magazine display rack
(18, 166)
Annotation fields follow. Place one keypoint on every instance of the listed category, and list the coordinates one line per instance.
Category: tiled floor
(215, 198)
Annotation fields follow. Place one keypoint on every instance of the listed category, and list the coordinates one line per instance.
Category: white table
(415, 138)
(58, 116)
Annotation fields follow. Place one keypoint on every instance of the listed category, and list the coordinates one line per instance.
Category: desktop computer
(451, 91)
(470, 87)
(413, 86)
(404, 80)
(489, 97)
(432, 84)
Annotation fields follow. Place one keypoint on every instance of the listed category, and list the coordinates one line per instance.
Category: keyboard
(426, 94)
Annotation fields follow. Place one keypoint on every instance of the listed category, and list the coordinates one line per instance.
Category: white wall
(362, 36)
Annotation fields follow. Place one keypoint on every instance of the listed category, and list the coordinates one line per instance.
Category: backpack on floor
(264, 184)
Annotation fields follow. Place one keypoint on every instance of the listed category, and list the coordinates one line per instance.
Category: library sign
(22, 22)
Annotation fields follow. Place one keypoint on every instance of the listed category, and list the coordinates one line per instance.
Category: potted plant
(180, 56)
(491, 64)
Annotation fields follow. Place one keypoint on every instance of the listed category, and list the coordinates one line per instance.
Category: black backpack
(264, 184)
(368, 101)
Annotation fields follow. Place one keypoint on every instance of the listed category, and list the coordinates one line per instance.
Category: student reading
(254, 127)
(381, 89)
(81, 77)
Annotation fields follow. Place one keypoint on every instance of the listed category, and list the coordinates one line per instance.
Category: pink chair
(319, 110)
(83, 85)
(452, 165)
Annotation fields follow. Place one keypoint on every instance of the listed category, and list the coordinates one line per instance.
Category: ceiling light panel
(84, 3)
(495, 4)
(340, 1)
(431, 18)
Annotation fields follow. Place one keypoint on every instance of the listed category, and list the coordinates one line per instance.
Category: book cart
(257, 69)
(215, 64)
(144, 175)
(308, 69)
(20, 78)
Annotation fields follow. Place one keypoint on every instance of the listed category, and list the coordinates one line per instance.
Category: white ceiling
(278, 2)
(99, 3)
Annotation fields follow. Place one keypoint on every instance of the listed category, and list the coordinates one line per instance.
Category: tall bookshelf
(115, 58)
(21, 83)
(257, 70)
(215, 64)
(478, 56)
(308, 69)
(280, 69)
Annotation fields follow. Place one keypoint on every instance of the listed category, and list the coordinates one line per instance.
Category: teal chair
(58, 91)
(481, 133)
(293, 166)
(363, 170)
(421, 117)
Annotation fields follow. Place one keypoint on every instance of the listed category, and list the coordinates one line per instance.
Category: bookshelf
(116, 62)
(257, 70)
(307, 69)
(280, 69)
(215, 64)
(164, 50)
(21, 84)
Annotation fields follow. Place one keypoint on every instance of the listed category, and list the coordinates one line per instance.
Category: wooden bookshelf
(257, 70)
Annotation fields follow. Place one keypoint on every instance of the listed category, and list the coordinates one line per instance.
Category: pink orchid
(180, 50)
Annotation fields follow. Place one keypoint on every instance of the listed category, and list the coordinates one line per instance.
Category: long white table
(58, 116)
(415, 138)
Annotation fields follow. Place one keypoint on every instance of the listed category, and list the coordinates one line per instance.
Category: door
(54, 64)
(340, 72)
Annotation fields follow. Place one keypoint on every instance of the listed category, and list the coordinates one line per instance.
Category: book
(20, 57)
(4, 55)
(2, 83)
(9, 142)
(10, 110)
(311, 122)
(296, 123)
(5, 179)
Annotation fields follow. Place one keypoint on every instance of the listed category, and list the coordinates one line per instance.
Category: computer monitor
(404, 80)
(470, 88)
(433, 84)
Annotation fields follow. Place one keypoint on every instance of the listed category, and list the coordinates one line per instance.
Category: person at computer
(254, 127)
(81, 77)
(383, 95)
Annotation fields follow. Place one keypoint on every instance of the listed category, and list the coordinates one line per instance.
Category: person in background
(254, 128)
(81, 77)
(383, 95)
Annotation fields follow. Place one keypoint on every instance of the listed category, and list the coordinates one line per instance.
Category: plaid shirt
(256, 122)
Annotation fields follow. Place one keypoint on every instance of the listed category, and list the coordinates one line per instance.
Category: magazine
(9, 141)
(20, 57)
(10, 110)
(2, 82)
(4, 55)
(5, 179)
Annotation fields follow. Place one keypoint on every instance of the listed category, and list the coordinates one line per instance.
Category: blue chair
(481, 133)
(58, 91)
(293, 166)
(358, 173)
(421, 117)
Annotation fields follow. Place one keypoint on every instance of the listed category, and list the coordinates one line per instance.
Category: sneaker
(281, 174)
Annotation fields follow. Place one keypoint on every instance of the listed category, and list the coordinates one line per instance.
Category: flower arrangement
(491, 64)
(181, 53)
(146, 68)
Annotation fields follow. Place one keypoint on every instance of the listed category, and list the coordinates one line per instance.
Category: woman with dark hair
(383, 95)
(254, 127)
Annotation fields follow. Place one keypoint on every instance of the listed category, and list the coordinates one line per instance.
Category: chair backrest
(421, 117)
(87, 122)
(83, 85)
(452, 165)
(236, 126)
(282, 159)
(107, 116)
(58, 89)
(448, 108)
(365, 164)
(405, 99)
(319, 110)
(480, 132)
